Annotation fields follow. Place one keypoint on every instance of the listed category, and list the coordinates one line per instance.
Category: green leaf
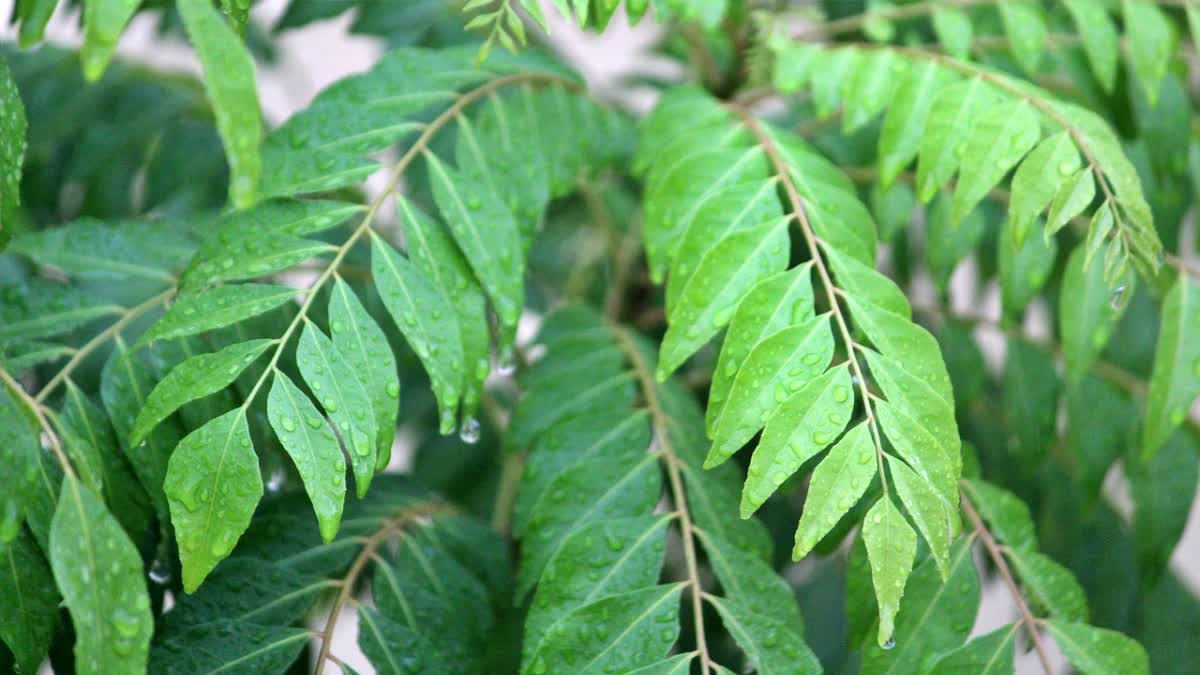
(870, 86)
(1007, 516)
(805, 424)
(1038, 179)
(216, 308)
(996, 142)
(891, 548)
(339, 389)
(30, 610)
(956, 109)
(722, 278)
(775, 303)
(1050, 585)
(253, 255)
(1031, 391)
(838, 482)
(990, 654)
(892, 208)
(487, 234)
(20, 447)
(937, 615)
(948, 244)
(1151, 44)
(1096, 651)
(953, 29)
(229, 82)
(195, 378)
(12, 148)
(99, 572)
(927, 509)
(1087, 315)
(89, 248)
(1163, 489)
(125, 386)
(86, 437)
(1101, 424)
(1024, 267)
(1100, 40)
(630, 551)
(1026, 30)
(364, 346)
(309, 441)
(636, 629)
(790, 359)
(103, 23)
(907, 112)
(771, 646)
(751, 581)
(1175, 381)
(213, 486)
(40, 308)
(1072, 197)
(433, 252)
(676, 665)
(420, 311)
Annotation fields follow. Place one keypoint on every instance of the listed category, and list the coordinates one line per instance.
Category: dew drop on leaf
(469, 431)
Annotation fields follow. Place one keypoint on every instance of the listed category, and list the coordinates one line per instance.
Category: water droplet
(469, 431)
(890, 644)
(126, 623)
(393, 389)
(287, 423)
(159, 572)
(1066, 167)
(506, 362)
(275, 480)
(840, 394)
(313, 422)
(337, 326)
(1118, 294)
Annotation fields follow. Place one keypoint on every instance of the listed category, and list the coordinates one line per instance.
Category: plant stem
(39, 412)
(506, 494)
(890, 13)
(831, 291)
(997, 557)
(678, 495)
(128, 317)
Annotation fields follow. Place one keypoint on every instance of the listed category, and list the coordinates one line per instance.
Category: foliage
(675, 345)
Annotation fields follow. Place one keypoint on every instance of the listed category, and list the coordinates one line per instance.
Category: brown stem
(674, 475)
(797, 206)
(997, 557)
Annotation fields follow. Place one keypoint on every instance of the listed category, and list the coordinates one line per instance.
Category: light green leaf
(309, 441)
(487, 234)
(870, 87)
(775, 303)
(1175, 381)
(995, 143)
(990, 654)
(1050, 585)
(213, 486)
(1024, 267)
(1026, 30)
(771, 646)
(1007, 516)
(864, 282)
(930, 456)
(99, 572)
(363, 345)
(638, 628)
(1087, 315)
(776, 368)
(340, 390)
(831, 68)
(1151, 44)
(216, 308)
(30, 609)
(83, 429)
(253, 255)
(1100, 40)
(892, 208)
(103, 23)
(749, 580)
(1096, 651)
(803, 426)
(927, 509)
(229, 81)
(421, 312)
(193, 379)
(722, 278)
(908, 110)
(1038, 179)
(1072, 197)
(12, 150)
(837, 484)
(891, 548)
(953, 29)
(956, 110)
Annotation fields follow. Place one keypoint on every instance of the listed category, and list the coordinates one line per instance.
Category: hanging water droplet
(469, 431)
(890, 644)
(1118, 294)
(275, 480)
(506, 362)
(159, 572)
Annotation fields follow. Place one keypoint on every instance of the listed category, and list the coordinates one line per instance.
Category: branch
(831, 291)
(997, 557)
(645, 377)
(128, 317)
(392, 526)
(39, 412)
